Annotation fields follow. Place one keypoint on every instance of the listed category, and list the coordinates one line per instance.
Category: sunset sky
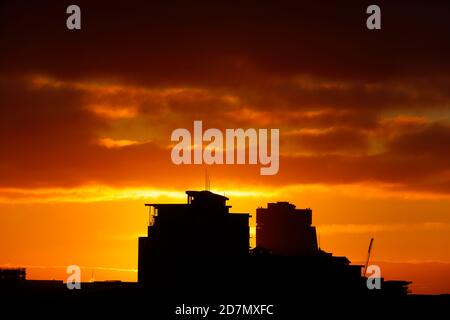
(86, 118)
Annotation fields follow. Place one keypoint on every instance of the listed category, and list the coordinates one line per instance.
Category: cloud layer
(98, 106)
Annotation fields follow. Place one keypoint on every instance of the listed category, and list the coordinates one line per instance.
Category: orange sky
(101, 235)
(86, 118)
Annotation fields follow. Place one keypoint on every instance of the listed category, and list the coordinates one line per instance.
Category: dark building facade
(12, 276)
(287, 255)
(284, 230)
(192, 235)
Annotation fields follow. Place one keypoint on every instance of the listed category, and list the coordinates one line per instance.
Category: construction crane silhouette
(368, 256)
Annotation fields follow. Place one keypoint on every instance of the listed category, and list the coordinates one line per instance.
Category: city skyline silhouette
(92, 93)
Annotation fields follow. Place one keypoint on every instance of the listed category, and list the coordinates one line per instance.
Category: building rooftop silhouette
(199, 247)
(201, 229)
(282, 229)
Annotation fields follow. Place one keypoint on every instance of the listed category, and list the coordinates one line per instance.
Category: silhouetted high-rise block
(282, 229)
(200, 231)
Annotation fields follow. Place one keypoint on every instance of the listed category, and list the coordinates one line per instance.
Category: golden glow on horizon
(96, 193)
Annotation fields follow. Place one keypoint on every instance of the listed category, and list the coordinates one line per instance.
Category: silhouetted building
(200, 248)
(282, 229)
(287, 256)
(191, 235)
(395, 288)
(12, 276)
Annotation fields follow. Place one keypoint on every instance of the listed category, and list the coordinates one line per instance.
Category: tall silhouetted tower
(285, 230)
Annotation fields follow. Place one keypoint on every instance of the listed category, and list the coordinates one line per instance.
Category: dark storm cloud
(428, 140)
(223, 43)
(291, 65)
(330, 141)
(254, 49)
